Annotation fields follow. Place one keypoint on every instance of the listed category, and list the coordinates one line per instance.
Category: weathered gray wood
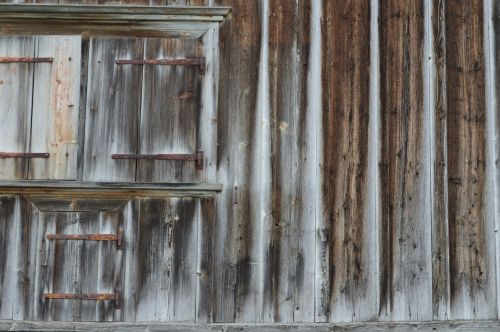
(236, 267)
(113, 107)
(170, 112)
(289, 275)
(76, 266)
(15, 230)
(495, 11)
(165, 241)
(16, 81)
(55, 115)
(451, 326)
(76, 204)
(205, 291)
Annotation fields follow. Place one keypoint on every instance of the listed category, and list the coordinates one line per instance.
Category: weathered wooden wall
(358, 149)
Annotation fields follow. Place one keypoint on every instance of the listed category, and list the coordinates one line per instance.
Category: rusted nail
(93, 109)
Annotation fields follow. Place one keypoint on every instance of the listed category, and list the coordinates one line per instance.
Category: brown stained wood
(167, 250)
(15, 253)
(471, 254)
(55, 115)
(205, 292)
(113, 109)
(440, 237)
(346, 251)
(16, 84)
(289, 274)
(405, 241)
(169, 112)
(235, 274)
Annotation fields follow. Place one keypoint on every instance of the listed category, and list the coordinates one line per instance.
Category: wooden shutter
(16, 82)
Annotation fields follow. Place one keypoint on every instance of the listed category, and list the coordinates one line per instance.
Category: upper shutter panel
(170, 112)
(56, 96)
(16, 81)
(113, 107)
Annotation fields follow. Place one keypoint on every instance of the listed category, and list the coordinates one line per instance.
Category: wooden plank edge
(365, 326)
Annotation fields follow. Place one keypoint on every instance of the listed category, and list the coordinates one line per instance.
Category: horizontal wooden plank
(77, 188)
(373, 326)
(139, 13)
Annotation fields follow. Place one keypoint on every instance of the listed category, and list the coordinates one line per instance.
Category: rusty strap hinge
(171, 61)
(197, 157)
(24, 59)
(87, 296)
(24, 155)
(90, 237)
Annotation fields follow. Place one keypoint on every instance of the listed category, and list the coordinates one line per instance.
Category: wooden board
(170, 112)
(113, 108)
(405, 239)
(160, 270)
(16, 82)
(56, 98)
(16, 254)
(346, 290)
(472, 249)
(289, 275)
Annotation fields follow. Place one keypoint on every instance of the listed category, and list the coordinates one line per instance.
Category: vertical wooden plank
(406, 240)
(15, 229)
(237, 274)
(347, 290)
(289, 275)
(16, 82)
(113, 107)
(56, 98)
(205, 292)
(440, 236)
(170, 112)
(130, 215)
(495, 36)
(167, 252)
(472, 251)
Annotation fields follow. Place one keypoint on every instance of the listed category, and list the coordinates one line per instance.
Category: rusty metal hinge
(24, 155)
(171, 61)
(197, 157)
(24, 59)
(116, 297)
(90, 237)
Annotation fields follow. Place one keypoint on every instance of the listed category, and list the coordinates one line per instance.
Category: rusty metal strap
(198, 157)
(89, 237)
(24, 155)
(172, 61)
(24, 59)
(86, 296)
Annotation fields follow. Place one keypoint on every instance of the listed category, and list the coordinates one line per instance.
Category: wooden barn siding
(416, 243)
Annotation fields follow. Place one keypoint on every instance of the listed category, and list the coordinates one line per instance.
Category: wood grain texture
(170, 111)
(346, 293)
(406, 286)
(235, 270)
(16, 84)
(75, 266)
(289, 275)
(15, 263)
(55, 115)
(471, 250)
(206, 292)
(166, 251)
(496, 125)
(113, 107)
(440, 235)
